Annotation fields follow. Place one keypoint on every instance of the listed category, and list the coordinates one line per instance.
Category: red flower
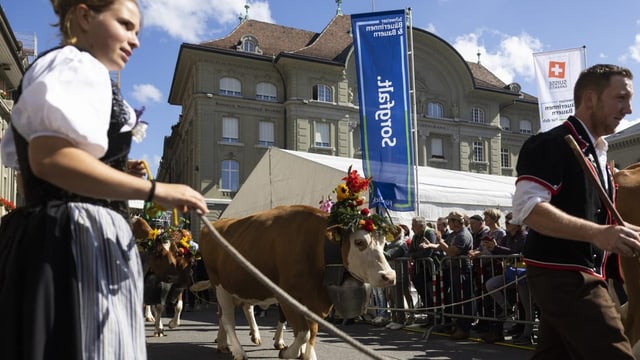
(368, 225)
(355, 182)
(7, 204)
(364, 212)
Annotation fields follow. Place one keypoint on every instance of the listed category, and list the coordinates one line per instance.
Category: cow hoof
(158, 333)
(279, 346)
(150, 319)
(224, 350)
(256, 340)
(174, 324)
(282, 354)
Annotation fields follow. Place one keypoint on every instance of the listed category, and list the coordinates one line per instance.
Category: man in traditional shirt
(571, 233)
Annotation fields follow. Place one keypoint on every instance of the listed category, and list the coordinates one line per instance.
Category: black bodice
(37, 191)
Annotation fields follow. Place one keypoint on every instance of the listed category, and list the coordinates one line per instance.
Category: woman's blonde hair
(64, 11)
(494, 213)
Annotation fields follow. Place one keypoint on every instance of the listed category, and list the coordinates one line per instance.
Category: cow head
(361, 232)
(168, 252)
(363, 257)
(169, 261)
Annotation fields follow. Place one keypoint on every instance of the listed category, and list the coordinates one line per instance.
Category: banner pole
(414, 112)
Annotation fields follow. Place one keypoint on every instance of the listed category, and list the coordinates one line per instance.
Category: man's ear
(590, 99)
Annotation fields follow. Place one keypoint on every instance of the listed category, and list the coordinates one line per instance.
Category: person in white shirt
(571, 234)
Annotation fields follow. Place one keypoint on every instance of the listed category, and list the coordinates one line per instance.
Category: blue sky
(506, 32)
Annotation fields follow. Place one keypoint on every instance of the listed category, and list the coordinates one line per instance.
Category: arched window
(266, 91)
(477, 115)
(435, 110)
(230, 175)
(525, 127)
(230, 87)
(249, 43)
(322, 93)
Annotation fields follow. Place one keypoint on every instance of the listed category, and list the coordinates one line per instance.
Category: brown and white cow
(254, 330)
(627, 197)
(286, 244)
(167, 273)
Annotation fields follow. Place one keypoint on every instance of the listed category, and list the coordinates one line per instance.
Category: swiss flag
(557, 69)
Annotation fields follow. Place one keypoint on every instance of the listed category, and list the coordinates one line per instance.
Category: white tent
(284, 177)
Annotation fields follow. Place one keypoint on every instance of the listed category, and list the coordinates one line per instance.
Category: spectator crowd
(462, 274)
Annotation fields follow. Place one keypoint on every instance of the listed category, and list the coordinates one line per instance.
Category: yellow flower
(342, 192)
(153, 234)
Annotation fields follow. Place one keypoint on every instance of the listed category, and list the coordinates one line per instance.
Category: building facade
(267, 85)
(14, 58)
(624, 147)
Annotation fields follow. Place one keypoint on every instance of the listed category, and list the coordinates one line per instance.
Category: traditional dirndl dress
(70, 273)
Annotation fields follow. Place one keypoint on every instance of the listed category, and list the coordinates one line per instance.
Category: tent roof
(284, 177)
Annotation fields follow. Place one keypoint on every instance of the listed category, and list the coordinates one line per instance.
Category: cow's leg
(175, 322)
(309, 350)
(296, 348)
(254, 331)
(300, 330)
(158, 330)
(228, 322)
(148, 316)
(278, 337)
(221, 339)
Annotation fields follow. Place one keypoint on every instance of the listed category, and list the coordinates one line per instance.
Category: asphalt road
(194, 339)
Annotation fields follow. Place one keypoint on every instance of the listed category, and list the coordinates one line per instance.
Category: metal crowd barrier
(446, 288)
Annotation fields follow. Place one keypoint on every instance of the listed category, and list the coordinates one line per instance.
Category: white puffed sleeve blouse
(65, 93)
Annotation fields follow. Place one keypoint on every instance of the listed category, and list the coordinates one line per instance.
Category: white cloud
(154, 164)
(146, 92)
(196, 20)
(512, 57)
(431, 28)
(634, 50)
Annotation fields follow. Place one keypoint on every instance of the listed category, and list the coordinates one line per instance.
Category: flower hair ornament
(346, 212)
(139, 131)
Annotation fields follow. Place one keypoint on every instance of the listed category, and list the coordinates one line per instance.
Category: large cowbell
(349, 298)
(348, 295)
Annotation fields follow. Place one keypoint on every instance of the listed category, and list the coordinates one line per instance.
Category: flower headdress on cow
(175, 233)
(346, 212)
(165, 230)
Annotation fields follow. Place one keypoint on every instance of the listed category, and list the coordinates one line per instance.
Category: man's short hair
(420, 220)
(596, 78)
(456, 215)
(476, 217)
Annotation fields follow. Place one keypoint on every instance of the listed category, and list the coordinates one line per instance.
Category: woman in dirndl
(70, 274)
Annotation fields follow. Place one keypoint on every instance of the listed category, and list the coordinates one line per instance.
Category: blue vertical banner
(380, 44)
